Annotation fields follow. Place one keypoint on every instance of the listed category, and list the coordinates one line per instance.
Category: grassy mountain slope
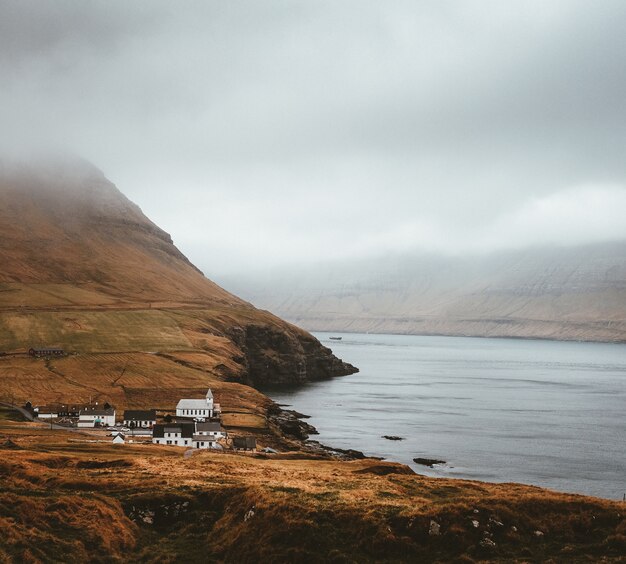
(83, 269)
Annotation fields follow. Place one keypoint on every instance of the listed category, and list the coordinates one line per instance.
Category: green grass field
(92, 331)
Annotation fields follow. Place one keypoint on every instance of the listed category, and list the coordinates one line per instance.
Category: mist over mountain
(576, 292)
(264, 133)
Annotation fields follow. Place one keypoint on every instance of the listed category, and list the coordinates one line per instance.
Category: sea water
(547, 413)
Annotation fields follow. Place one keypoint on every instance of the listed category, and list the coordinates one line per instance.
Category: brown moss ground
(65, 498)
(127, 380)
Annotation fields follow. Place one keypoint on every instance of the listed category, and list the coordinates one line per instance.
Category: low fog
(275, 133)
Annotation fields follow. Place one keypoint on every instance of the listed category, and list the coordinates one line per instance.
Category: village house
(205, 441)
(194, 435)
(211, 429)
(96, 417)
(58, 410)
(70, 410)
(196, 408)
(176, 434)
(47, 412)
(137, 418)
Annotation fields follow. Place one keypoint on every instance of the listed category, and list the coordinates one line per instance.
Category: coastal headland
(84, 271)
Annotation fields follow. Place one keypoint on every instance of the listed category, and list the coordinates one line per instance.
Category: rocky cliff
(276, 357)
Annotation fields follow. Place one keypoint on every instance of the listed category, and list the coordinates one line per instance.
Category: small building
(47, 412)
(119, 439)
(196, 408)
(96, 417)
(212, 429)
(176, 434)
(45, 352)
(137, 418)
(205, 441)
(244, 443)
(71, 410)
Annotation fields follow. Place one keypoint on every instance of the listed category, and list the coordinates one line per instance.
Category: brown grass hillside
(64, 227)
(84, 270)
(67, 497)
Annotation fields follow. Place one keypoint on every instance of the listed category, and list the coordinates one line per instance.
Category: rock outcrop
(276, 356)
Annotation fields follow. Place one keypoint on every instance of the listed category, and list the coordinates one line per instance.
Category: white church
(196, 408)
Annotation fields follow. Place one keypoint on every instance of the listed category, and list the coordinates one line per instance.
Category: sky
(279, 133)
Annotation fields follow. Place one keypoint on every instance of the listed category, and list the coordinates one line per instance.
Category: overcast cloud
(271, 132)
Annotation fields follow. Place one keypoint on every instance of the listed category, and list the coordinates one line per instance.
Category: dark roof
(140, 415)
(97, 411)
(209, 426)
(47, 409)
(186, 429)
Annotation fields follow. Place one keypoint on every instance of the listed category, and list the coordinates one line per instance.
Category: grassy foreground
(67, 498)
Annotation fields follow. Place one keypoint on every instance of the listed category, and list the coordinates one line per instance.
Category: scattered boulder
(9, 444)
(344, 454)
(487, 543)
(385, 469)
(290, 424)
(430, 462)
(538, 534)
(249, 515)
(435, 529)
(475, 523)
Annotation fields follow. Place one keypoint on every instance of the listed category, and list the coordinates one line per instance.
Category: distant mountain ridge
(571, 293)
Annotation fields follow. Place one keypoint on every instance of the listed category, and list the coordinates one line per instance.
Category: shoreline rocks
(290, 424)
(430, 462)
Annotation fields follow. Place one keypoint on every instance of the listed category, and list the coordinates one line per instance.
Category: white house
(176, 434)
(46, 412)
(205, 441)
(118, 439)
(95, 417)
(196, 408)
(210, 429)
(137, 418)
